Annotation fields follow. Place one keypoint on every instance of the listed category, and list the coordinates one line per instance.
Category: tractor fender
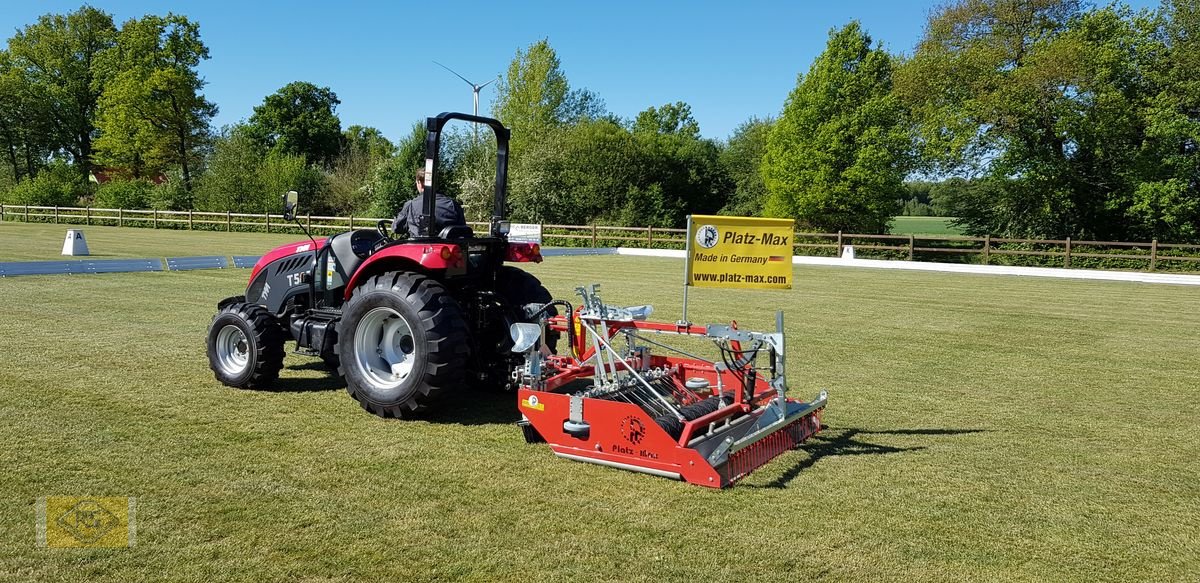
(420, 257)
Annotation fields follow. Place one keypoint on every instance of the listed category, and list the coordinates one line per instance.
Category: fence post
(839, 253)
(309, 221)
(987, 249)
(351, 222)
(268, 215)
(26, 213)
(593, 235)
(1067, 257)
(1, 213)
(189, 219)
(649, 237)
(1153, 253)
(120, 217)
(155, 218)
(56, 214)
(912, 244)
(89, 216)
(228, 221)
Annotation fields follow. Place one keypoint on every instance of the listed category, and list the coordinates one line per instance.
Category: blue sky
(729, 60)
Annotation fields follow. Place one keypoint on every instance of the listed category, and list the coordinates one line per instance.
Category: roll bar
(433, 140)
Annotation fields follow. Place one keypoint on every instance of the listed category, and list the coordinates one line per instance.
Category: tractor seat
(352, 247)
(457, 232)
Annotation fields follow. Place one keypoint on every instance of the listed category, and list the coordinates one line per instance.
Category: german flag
(775, 258)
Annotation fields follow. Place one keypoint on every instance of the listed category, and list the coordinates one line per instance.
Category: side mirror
(290, 200)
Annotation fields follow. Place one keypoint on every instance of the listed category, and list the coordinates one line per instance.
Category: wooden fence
(1067, 253)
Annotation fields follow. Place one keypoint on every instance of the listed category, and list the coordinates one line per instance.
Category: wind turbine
(474, 90)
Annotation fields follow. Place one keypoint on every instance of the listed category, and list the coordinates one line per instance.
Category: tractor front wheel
(402, 341)
(245, 346)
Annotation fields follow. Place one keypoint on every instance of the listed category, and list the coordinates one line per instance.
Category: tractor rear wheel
(245, 346)
(525, 293)
(402, 341)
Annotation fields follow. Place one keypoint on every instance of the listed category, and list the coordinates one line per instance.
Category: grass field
(923, 226)
(979, 428)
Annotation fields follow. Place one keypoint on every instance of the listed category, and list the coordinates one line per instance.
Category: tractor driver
(446, 212)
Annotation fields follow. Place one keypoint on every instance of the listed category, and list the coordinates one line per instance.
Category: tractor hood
(284, 251)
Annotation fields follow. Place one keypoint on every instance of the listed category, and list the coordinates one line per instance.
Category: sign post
(737, 252)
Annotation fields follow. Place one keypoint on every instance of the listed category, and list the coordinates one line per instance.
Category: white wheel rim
(384, 347)
(233, 350)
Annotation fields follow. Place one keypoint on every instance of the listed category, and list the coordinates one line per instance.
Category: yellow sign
(85, 522)
(739, 252)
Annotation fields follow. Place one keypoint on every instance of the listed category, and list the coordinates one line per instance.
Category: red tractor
(402, 319)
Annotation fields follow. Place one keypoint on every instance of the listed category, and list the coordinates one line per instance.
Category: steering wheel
(384, 226)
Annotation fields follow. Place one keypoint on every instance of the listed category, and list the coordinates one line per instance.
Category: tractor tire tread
(447, 348)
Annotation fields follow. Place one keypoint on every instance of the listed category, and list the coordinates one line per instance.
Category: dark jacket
(446, 212)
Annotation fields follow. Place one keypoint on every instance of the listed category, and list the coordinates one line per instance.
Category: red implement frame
(713, 450)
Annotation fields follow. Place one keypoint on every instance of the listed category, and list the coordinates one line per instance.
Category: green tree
(26, 130)
(534, 96)
(59, 57)
(838, 155)
(672, 118)
(1166, 203)
(299, 119)
(241, 178)
(742, 161)
(1057, 108)
(152, 115)
(391, 181)
(576, 176)
(678, 172)
(368, 140)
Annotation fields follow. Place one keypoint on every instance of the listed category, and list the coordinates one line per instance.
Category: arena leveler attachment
(609, 400)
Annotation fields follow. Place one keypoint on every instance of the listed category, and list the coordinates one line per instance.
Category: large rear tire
(245, 346)
(525, 293)
(402, 342)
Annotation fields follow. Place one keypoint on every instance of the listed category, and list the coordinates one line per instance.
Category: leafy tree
(534, 96)
(347, 184)
(1066, 113)
(741, 160)
(59, 57)
(368, 140)
(1166, 204)
(241, 178)
(231, 181)
(577, 175)
(124, 194)
(838, 154)
(152, 115)
(56, 185)
(672, 118)
(299, 119)
(391, 182)
(678, 171)
(25, 126)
